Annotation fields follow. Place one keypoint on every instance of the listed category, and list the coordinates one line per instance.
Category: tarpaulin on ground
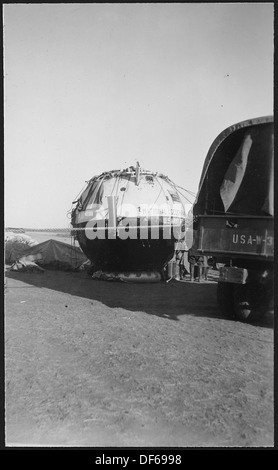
(26, 266)
(16, 245)
(54, 254)
(14, 250)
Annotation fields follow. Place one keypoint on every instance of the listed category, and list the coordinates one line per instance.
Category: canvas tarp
(55, 255)
(245, 172)
(14, 250)
(26, 266)
(16, 245)
(248, 183)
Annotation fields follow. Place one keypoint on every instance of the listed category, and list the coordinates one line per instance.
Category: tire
(225, 299)
(250, 303)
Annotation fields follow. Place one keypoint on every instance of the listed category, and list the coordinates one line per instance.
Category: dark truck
(233, 217)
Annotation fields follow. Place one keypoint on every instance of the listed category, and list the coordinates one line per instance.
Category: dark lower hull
(127, 255)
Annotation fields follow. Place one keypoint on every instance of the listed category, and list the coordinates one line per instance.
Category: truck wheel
(247, 305)
(225, 299)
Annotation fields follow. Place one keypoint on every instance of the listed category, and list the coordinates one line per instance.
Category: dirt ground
(107, 364)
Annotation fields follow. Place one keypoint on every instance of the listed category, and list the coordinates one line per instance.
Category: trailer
(233, 217)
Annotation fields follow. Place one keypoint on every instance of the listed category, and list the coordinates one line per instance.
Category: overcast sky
(94, 87)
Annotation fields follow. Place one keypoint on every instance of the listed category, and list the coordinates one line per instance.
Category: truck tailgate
(236, 235)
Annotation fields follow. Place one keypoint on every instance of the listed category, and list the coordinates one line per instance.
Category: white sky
(94, 87)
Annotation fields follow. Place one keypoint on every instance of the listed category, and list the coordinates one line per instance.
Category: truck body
(233, 217)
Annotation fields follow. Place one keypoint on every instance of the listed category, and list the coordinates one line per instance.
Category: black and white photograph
(138, 228)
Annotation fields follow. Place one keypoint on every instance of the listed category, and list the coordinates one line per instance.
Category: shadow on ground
(169, 300)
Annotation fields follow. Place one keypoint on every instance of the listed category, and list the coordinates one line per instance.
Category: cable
(186, 190)
(188, 200)
(161, 189)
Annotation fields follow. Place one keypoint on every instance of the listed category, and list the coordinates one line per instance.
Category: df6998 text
(160, 459)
